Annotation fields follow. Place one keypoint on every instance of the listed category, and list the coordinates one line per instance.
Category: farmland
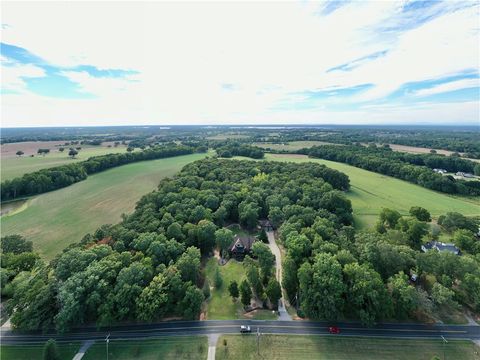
(59, 218)
(13, 166)
(370, 192)
(327, 347)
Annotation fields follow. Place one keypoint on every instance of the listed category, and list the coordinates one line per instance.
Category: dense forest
(413, 168)
(148, 266)
(61, 176)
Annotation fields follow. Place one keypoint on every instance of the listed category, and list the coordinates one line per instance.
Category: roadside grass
(12, 167)
(292, 145)
(59, 218)
(262, 314)
(331, 347)
(35, 352)
(220, 306)
(178, 348)
(370, 192)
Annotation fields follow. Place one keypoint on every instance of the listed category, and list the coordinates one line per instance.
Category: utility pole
(444, 342)
(107, 340)
(258, 340)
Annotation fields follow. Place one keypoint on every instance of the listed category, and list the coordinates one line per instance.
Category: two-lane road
(178, 328)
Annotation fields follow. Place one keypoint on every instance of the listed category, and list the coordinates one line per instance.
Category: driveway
(284, 315)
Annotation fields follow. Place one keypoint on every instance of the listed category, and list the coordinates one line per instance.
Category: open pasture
(56, 219)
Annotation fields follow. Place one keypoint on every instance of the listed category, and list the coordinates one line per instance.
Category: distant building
(468, 175)
(440, 246)
(460, 173)
(241, 246)
(440, 171)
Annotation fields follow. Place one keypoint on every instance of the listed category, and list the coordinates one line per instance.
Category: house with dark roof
(241, 246)
(440, 246)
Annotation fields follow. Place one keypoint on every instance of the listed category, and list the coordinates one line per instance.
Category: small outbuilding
(265, 225)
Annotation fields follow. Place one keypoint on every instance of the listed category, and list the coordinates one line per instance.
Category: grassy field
(220, 306)
(292, 146)
(35, 352)
(370, 192)
(58, 218)
(330, 347)
(14, 166)
(178, 348)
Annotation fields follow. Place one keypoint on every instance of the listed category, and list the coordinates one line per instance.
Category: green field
(12, 167)
(292, 145)
(59, 218)
(370, 192)
(35, 352)
(331, 347)
(178, 348)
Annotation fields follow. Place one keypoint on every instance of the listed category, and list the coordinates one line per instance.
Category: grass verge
(330, 347)
(35, 352)
(178, 348)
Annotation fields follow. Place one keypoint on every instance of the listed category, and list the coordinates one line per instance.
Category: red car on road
(333, 330)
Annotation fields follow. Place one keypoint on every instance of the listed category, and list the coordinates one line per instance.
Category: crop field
(13, 166)
(370, 192)
(331, 347)
(292, 146)
(59, 218)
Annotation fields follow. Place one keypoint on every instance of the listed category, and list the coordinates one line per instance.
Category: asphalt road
(179, 328)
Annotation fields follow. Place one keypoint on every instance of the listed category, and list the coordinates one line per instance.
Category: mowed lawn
(174, 348)
(331, 348)
(370, 192)
(56, 219)
(220, 306)
(14, 166)
(35, 352)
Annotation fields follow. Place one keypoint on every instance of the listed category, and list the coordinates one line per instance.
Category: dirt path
(278, 266)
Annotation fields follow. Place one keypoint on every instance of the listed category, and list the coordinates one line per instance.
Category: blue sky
(345, 62)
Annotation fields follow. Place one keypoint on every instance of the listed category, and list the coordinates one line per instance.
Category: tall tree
(245, 293)
(223, 239)
(321, 287)
(50, 350)
(266, 259)
(273, 292)
(233, 289)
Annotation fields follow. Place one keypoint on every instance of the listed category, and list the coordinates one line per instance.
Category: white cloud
(184, 52)
(449, 86)
(12, 75)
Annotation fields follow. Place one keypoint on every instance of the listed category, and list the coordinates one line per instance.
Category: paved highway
(178, 328)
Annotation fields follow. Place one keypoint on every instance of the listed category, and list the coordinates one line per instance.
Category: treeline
(148, 266)
(229, 149)
(412, 168)
(464, 141)
(61, 176)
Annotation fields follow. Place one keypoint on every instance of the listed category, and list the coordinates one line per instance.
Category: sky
(173, 63)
